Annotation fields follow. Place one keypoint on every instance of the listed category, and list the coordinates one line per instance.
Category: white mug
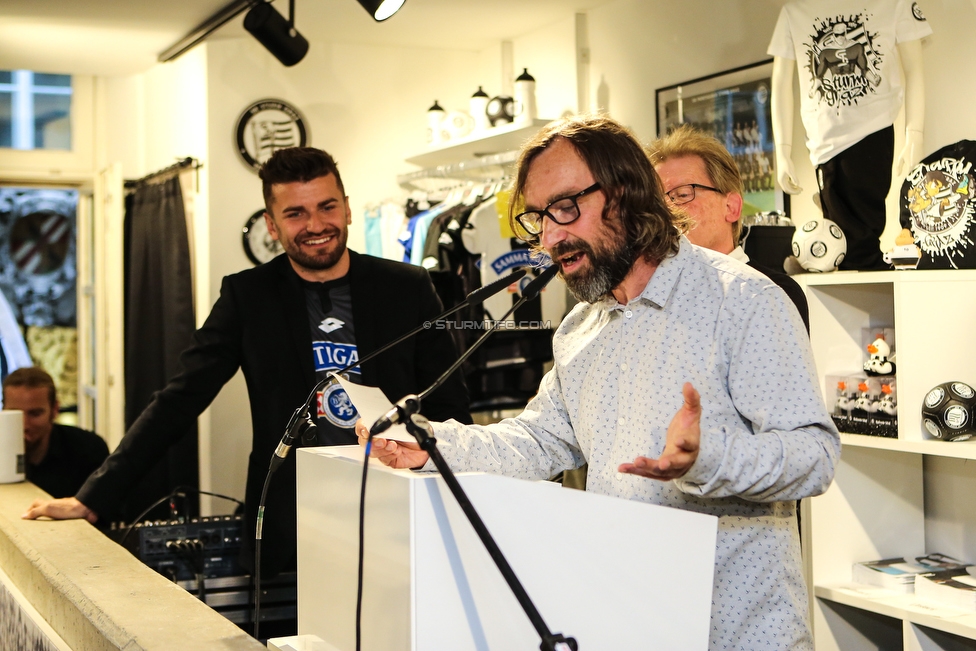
(11, 446)
(458, 124)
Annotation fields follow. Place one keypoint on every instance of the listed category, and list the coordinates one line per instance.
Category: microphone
(477, 296)
(410, 405)
(536, 284)
(403, 409)
(301, 424)
(480, 294)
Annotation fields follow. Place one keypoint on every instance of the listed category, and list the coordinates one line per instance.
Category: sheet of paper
(371, 405)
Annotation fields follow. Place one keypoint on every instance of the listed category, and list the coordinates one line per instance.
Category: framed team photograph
(734, 106)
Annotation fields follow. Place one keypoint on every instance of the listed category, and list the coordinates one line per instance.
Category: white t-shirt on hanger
(848, 65)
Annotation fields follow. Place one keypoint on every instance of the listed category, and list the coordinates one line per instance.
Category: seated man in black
(58, 457)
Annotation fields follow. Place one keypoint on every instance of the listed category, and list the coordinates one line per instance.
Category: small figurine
(880, 361)
(845, 398)
(888, 403)
(906, 254)
(867, 400)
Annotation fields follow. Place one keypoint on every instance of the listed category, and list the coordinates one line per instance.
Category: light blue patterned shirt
(767, 439)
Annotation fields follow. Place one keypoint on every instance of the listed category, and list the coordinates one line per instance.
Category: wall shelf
(901, 606)
(960, 450)
(495, 166)
(495, 141)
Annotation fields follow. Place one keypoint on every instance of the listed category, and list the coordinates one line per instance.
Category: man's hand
(681, 447)
(66, 508)
(395, 454)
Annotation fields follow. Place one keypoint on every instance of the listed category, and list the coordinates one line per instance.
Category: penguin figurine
(880, 361)
(866, 401)
(888, 403)
(845, 399)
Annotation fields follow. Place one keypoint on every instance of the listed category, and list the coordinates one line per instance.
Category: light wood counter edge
(95, 594)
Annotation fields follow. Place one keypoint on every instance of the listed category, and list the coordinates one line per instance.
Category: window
(35, 110)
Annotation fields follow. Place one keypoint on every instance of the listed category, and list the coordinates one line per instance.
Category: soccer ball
(500, 110)
(947, 411)
(819, 245)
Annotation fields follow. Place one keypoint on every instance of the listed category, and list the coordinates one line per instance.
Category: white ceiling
(119, 37)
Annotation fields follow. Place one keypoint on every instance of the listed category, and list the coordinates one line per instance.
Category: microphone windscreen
(493, 288)
(535, 286)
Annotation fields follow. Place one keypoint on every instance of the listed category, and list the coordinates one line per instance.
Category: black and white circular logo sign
(267, 126)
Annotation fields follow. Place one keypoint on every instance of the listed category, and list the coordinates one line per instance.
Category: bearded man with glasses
(684, 378)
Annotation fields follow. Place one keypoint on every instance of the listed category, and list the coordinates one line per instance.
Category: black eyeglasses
(685, 193)
(562, 211)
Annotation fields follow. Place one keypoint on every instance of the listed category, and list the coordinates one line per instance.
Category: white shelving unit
(892, 497)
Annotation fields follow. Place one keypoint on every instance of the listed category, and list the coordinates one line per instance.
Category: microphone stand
(420, 428)
(406, 411)
(301, 425)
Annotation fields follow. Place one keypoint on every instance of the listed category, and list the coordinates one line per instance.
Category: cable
(257, 557)
(179, 491)
(362, 538)
(139, 517)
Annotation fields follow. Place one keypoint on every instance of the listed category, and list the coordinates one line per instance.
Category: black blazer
(789, 286)
(260, 325)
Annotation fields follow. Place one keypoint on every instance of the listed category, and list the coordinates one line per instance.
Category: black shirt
(330, 321)
(72, 455)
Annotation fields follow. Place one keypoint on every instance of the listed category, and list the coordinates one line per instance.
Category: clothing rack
(484, 168)
(161, 175)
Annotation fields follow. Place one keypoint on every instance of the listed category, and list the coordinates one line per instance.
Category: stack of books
(954, 588)
(899, 573)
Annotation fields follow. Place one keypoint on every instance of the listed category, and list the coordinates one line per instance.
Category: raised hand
(681, 446)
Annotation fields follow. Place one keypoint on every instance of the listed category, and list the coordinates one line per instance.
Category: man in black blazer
(702, 178)
(286, 324)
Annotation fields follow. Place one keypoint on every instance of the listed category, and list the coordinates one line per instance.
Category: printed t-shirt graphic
(333, 347)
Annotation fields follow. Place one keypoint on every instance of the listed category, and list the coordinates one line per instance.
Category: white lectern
(612, 573)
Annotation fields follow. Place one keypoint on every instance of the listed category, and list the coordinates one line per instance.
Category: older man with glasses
(683, 378)
(700, 176)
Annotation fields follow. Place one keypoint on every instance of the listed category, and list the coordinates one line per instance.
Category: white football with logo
(819, 245)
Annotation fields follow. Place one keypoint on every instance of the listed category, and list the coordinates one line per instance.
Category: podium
(613, 573)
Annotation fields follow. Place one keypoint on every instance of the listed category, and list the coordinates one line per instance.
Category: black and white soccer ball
(500, 110)
(947, 411)
(819, 245)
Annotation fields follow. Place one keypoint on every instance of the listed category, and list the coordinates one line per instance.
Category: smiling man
(683, 378)
(287, 324)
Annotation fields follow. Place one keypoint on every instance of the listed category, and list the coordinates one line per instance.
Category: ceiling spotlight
(275, 33)
(381, 9)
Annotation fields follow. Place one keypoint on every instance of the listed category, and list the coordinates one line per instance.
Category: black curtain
(159, 323)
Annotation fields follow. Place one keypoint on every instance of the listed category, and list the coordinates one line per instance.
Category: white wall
(150, 121)
(550, 56)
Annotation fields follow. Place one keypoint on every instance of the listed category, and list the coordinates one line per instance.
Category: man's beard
(323, 261)
(607, 267)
